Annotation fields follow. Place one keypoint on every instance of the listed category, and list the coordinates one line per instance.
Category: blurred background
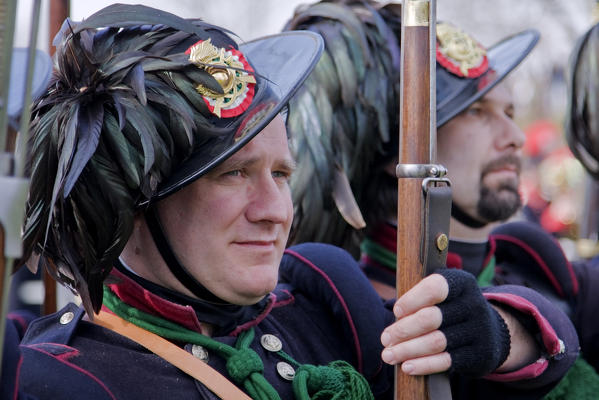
(556, 190)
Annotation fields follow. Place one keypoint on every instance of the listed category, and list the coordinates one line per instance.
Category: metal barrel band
(420, 171)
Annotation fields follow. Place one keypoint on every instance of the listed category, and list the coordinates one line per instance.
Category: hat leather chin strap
(164, 247)
(460, 215)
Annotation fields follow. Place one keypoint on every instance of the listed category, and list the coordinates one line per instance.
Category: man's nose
(509, 134)
(270, 201)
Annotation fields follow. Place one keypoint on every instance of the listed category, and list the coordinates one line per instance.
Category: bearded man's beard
(500, 203)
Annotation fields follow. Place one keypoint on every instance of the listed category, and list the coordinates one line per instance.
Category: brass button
(442, 242)
(199, 352)
(285, 370)
(271, 342)
(66, 317)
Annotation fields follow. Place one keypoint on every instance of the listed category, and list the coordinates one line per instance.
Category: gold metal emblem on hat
(225, 68)
(459, 47)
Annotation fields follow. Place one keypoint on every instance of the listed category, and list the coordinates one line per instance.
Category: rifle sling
(436, 223)
(175, 355)
(439, 387)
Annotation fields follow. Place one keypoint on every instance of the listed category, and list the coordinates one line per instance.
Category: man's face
(481, 148)
(230, 227)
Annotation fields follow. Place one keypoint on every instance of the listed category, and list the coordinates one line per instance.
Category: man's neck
(459, 231)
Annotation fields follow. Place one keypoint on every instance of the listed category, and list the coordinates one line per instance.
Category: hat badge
(459, 53)
(233, 73)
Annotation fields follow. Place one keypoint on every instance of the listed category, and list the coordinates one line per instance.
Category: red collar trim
(136, 296)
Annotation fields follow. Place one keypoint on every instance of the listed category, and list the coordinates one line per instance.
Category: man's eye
(474, 110)
(235, 172)
(281, 174)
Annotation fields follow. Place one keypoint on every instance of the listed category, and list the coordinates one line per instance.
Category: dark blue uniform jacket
(324, 309)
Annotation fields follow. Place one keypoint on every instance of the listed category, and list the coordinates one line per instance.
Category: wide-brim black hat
(279, 64)
(456, 93)
(282, 62)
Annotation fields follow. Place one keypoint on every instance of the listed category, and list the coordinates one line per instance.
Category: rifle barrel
(414, 148)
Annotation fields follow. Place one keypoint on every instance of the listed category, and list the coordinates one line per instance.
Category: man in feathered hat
(159, 170)
(345, 121)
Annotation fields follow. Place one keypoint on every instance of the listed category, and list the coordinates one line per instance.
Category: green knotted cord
(243, 364)
(339, 380)
(336, 381)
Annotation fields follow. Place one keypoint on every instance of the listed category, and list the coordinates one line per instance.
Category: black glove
(478, 339)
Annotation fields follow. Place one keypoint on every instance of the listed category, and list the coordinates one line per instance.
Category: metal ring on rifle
(420, 171)
(428, 182)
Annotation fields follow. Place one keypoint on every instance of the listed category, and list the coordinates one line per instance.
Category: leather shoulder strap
(175, 355)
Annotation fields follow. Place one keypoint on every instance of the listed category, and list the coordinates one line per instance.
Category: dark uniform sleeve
(552, 329)
(331, 274)
(332, 278)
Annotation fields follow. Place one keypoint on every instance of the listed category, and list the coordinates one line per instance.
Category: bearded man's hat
(345, 120)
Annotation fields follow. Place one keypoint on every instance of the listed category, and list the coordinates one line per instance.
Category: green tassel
(337, 381)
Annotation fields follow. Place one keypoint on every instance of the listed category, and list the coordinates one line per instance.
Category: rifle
(12, 163)
(424, 196)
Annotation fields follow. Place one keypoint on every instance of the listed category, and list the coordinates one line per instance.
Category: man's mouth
(256, 243)
(510, 164)
(505, 168)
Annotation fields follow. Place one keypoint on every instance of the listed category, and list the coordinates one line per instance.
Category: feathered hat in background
(339, 120)
(142, 103)
(345, 120)
(582, 119)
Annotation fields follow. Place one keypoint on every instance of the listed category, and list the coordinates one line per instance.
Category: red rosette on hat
(459, 53)
(232, 71)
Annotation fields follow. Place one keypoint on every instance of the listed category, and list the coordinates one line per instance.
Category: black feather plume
(120, 114)
(343, 119)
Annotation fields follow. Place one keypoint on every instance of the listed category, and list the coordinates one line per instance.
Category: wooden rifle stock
(414, 148)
